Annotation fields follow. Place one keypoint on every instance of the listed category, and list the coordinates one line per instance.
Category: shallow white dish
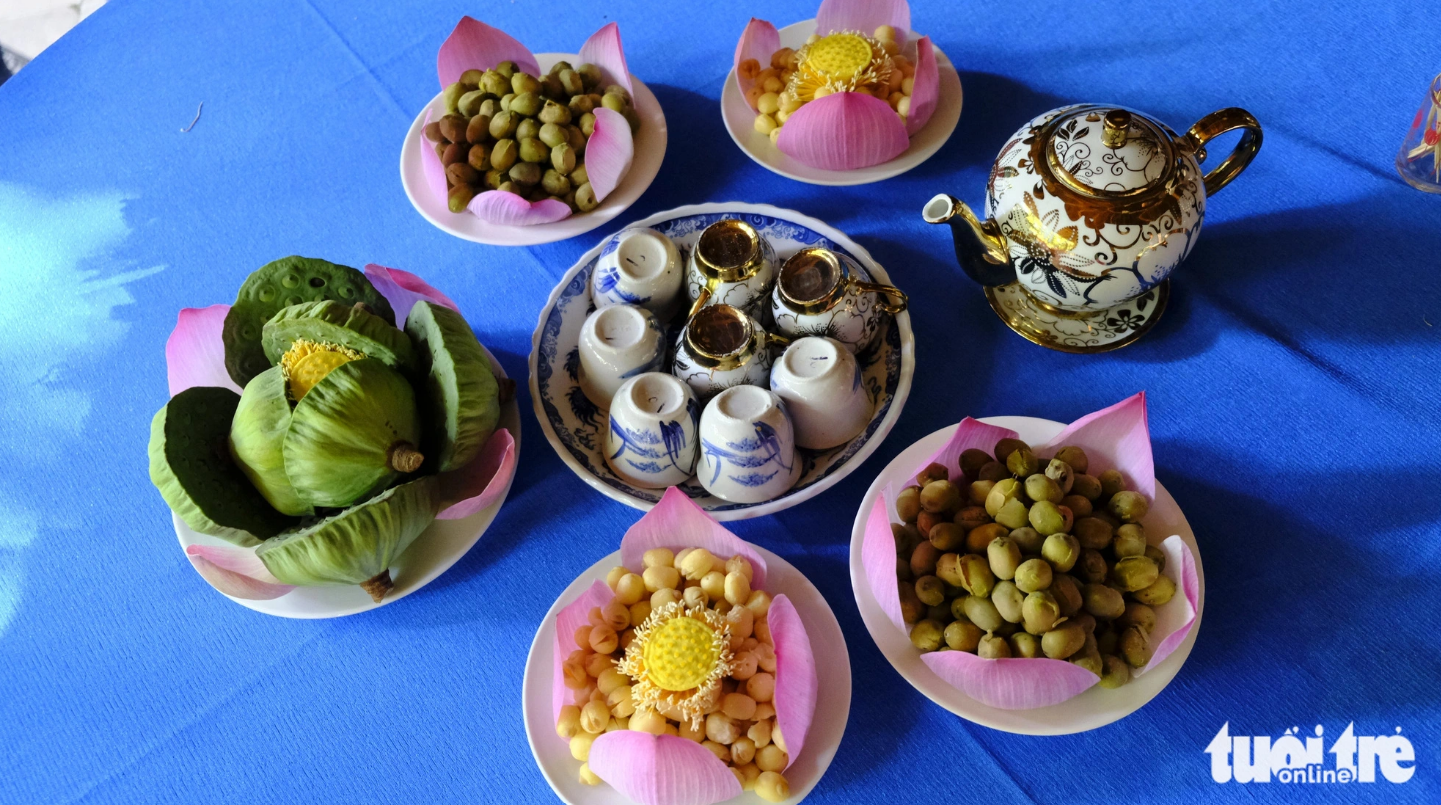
(740, 122)
(433, 552)
(833, 702)
(576, 428)
(1096, 707)
(650, 144)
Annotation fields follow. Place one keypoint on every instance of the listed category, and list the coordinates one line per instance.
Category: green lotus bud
(1005, 447)
(1103, 602)
(1130, 541)
(352, 434)
(1060, 472)
(196, 475)
(1075, 457)
(1004, 556)
(1086, 486)
(976, 575)
(926, 635)
(1033, 575)
(257, 436)
(1007, 598)
(1029, 540)
(1111, 483)
(1136, 647)
(940, 496)
(1047, 518)
(1067, 592)
(1062, 551)
(1041, 487)
(1115, 672)
(1001, 491)
(1093, 533)
(1014, 514)
(1063, 641)
(1135, 573)
(962, 635)
(1138, 615)
(1025, 644)
(1089, 661)
(981, 612)
(353, 327)
(993, 647)
(1039, 612)
(460, 395)
(1160, 592)
(1131, 507)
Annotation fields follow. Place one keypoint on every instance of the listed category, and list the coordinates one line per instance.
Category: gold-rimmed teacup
(723, 346)
(823, 293)
(730, 264)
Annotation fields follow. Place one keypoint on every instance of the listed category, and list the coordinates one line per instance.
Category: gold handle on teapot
(1214, 125)
(893, 299)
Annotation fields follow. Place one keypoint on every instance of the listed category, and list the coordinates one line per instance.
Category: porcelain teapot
(1090, 206)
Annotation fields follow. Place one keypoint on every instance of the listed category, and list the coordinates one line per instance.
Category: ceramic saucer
(1101, 331)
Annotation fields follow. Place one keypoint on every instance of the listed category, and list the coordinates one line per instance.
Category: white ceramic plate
(1096, 707)
(740, 122)
(433, 552)
(650, 143)
(576, 428)
(833, 702)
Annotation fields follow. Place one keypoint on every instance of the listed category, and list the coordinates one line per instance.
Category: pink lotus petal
(844, 131)
(759, 41)
(194, 353)
(1012, 684)
(1114, 438)
(864, 16)
(507, 209)
(796, 682)
(480, 483)
(970, 434)
(609, 152)
(677, 522)
(1175, 619)
(403, 289)
(236, 572)
(434, 170)
(878, 557)
(661, 769)
(473, 45)
(926, 92)
(573, 616)
(604, 50)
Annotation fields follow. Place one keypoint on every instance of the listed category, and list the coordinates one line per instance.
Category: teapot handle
(1214, 125)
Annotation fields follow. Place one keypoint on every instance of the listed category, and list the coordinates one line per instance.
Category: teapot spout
(980, 248)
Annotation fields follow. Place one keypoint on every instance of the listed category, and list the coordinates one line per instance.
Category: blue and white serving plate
(576, 428)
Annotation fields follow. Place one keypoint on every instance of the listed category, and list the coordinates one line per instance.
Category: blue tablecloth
(1293, 387)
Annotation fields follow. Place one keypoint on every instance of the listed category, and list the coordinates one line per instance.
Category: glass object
(1419, 161)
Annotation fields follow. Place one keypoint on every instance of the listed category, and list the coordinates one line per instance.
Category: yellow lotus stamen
(677, 659)
(840, 56)
(306, 363)
(841, 62)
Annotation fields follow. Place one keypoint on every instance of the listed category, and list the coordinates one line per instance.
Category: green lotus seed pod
(930, 590)
(1029, 540)
(962, 635)
(1062, 551)
(1160, 592)
(1004, 556)
(980, 539)
(1067, 592)
(1041, 487)
(352, 434)
(1107, 641)
(1024, 644)
(1139, 615)
(1135, 573)
(1115, 672)
(1005, 447)
(503, 125)
(1092, 567)
(1093, 533)
(451, 97)
(202, 484)
(524, 82)
(908, 504)
(1155, 555)
(940, 496)
(1131, 507)
(257, 437)
(1086, 486)
(1060, 472)
(527, 104)
(1063, 641)
(585, 197)
(947, 536)
(1002, 491)
(1014, 514)
(1135, 646)
(1078, 505)
(1033, 575)
(1074, 457)
(1008, 598)
(976, 575)
(460, 395)
(1022, 463)
(525, 174)
(354, 327)
(1046, 517)
(948, 568)
(1089, 661)
(927, 635)
(1111, 483)
(496, 84)
(981, 612)
(994, 472)
(553, 112)
(992, 647)
(506, 69)
(971, 517)
(276, 285)
(1130, 541)
(1039, 612)
(358, 545)
(1103, 602)
(527, 129)
(971, 462)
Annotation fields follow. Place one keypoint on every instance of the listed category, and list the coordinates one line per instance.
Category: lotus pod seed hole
(291, 281)
(317, 282)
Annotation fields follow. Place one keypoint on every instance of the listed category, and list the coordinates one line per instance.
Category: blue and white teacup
(723, 346)
(821, 292)
(820, 382)
(731, 264)
(652, 441)
(748, 446)
(641, 267)
(616, 344)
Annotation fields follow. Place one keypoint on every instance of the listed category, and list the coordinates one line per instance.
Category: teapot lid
(1109, 151)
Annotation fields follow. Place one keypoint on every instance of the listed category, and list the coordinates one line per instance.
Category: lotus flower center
(307, 363)
(681, 654)
(839, 56)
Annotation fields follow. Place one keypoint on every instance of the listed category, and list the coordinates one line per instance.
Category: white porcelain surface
(746, 294)
(639, 266)
(820, 382)
(748, 446)
(652, 437)
(1095, 707)
(707, 383)
(575, 428)
(650, 144)
(833, 703)
(616, 344)
(853, 321)
(739, 121)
